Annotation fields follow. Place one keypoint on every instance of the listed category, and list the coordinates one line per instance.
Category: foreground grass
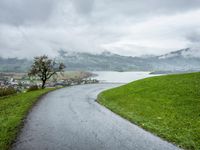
(12, 112)
(168, 106)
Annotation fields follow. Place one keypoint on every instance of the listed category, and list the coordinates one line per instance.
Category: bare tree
(44, 68)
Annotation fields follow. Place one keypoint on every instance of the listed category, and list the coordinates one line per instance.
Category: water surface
(120, 77)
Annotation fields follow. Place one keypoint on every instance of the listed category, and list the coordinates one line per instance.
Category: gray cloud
(151, 6)
(35, 27)
(194, 37)
(18, 12)
(84, 6)
(134, 9)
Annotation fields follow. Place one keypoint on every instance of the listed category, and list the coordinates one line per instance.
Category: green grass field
(13, 110)
(168, 106)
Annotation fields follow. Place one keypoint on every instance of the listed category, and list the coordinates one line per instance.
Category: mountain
(178, 53)
(104, 61)
(180, 60)
(14, 65)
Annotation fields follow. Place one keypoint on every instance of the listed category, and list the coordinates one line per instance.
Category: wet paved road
(70, 119)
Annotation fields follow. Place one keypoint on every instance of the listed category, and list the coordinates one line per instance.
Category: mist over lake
(120, 77)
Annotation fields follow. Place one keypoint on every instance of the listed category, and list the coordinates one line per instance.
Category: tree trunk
(43, 84)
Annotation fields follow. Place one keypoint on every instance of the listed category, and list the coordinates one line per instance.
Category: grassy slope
(168, 106)
(12, 112)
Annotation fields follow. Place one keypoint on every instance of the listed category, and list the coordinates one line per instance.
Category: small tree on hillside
(44, 68)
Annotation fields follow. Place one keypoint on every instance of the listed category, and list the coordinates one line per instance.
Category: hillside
(174, 61)
(104, 61)
(14, 65)
(13, 110)
(167, 105)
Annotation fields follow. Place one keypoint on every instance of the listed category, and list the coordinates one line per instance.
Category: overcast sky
(129, 27)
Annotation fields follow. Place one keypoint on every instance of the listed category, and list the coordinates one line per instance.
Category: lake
(120, 77)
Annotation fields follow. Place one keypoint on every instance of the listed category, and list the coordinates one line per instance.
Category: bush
(32, 88)
(4, 91)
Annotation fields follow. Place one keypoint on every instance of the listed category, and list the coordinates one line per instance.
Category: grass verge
(168, 106)
(13, 110)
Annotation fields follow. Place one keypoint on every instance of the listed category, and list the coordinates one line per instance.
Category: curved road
(70, 119)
